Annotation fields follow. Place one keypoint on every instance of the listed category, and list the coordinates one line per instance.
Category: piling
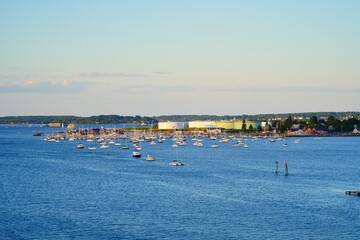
(286, 169)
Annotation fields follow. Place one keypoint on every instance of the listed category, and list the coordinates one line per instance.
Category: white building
(172, 125)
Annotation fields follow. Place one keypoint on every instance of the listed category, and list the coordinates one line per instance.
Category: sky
(161, 57)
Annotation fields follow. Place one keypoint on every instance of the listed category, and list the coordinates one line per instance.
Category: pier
(356, 193)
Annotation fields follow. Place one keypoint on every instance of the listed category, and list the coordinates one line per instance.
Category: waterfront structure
(172, 125)
(202, 124)
(55, 124)
(237, 124)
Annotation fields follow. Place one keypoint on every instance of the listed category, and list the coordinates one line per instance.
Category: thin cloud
(98, 75)
(288, 89)
(32, 86)
(14, 67)
(144, 89)
(164, 73)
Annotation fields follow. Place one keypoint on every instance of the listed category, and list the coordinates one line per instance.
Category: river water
(52, 190)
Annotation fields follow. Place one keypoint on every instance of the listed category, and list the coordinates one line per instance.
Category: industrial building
(202, 124)
(172, 125)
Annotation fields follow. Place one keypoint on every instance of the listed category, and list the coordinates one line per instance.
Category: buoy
(276, 167)
(286, 168)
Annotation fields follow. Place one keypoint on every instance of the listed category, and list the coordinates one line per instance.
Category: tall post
(276, 167)
(286, 169)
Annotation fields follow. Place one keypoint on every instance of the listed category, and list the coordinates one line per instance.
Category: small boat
(152, 143)
(176, 163)
(92, 148)
(104, 146)
(246, 146)
(125, 147)
(150, 157)
(214, 146)
(136, 154)
(285, 145)
(80, 145)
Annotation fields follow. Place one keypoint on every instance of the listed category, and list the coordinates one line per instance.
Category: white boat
(104, 146)
(214, 146)
(136, 154)
(175, 163)
(150, 157)
(125, 147)
(92, 148)
(246, 146)
(152, 143)
(80, 145)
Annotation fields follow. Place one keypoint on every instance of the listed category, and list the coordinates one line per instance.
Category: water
(53, 190)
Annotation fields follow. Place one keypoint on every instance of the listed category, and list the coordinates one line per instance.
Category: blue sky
(178, 57)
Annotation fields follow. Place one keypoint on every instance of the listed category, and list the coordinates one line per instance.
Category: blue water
(53, 190)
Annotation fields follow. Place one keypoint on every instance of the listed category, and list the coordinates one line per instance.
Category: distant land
(116, 119)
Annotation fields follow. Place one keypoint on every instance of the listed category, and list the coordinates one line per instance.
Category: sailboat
(176, 162)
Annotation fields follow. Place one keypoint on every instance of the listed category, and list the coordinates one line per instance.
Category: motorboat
(104, 146)
(80, 145)
(150, 157)
(136, 154)
(92, 148)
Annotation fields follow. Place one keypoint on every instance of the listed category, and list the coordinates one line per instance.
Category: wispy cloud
(164, 73)
(144, 89)
(9, 78)
(288, 89)
(32, 86)
(14, 67)
(102, 75)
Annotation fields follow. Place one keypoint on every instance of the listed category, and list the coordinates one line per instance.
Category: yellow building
(54, 124)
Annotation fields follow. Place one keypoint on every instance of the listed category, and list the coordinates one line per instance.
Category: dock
(356, 193)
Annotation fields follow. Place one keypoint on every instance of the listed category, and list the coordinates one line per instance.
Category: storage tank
(202, 124)
(172, 125)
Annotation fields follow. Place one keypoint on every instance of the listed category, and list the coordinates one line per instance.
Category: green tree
(288, 123)
(243, 127)
(251, 128)
(313, 121)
